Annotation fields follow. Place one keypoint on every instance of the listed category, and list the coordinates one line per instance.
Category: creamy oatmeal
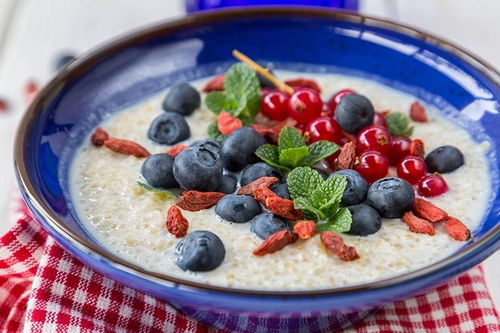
(131, 221)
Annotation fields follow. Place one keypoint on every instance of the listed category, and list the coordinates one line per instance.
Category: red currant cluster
(377, 150)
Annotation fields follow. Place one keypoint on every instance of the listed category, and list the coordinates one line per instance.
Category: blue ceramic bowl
(129, 68)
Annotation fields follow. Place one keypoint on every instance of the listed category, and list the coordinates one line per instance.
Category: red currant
(323, 128)
(432, 185)
(374, 138)
(412, 169)
(379, 120)
(372, 165)
(274, 105)
(304, 105)
(400, 147)
(337, 97)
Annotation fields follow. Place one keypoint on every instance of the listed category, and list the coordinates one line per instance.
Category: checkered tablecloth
(44, 289)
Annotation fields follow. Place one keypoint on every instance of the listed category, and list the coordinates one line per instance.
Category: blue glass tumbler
(197, 5)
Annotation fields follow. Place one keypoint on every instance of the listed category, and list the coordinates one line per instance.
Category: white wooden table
(33, 32)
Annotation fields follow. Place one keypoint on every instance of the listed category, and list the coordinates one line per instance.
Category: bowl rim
(90, 58)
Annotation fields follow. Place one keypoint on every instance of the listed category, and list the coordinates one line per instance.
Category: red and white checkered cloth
(44, 289)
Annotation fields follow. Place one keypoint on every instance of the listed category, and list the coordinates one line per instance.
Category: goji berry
(335, 244)
(418, 225)
(417, 112)
(283, 207)
(456, 229)
(262, 193)
(271, 134)
(175, 150)
(126, 147)
(303, 82)
(305, 229)
(176, 223)
(195, 200)
(227, 123)
(417, 148)
(216, 84)
(347, 156)
(428, 211)
(275, 242)
(99, 137)
(259, 182)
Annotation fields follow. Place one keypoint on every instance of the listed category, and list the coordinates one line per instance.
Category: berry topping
(432, 185)
(216, 84)
(354, 112)
(169, 128)
(374, 138)
(417, 112)
(209, 144)
(274, 105)
(195, 200)
(428, 211)
(417, 148)
(418, 225)
(391, 197)
(258, 170)
(157, 170)
(365, 220)
(379, 120)
(457, 229)
(305, 229)
(334, 101)
(323, 128)
(444, 159)
(281, 189)
(305, 105)
(412, 169)
(227, 184)
(238, 149)
(372, 165)
(266, 224)
(356, 188)
(175, 150)
(227, 123)
(400, 147)
(275, 242)
(200, 251)
(176, 223)
(304, 83)
(237, 208)
(182, 98)
(198, 168)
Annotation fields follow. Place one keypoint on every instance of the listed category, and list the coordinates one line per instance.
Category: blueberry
(62, 60)
(264, 82)
(391, 197)
(182, 98)
(444, 159)
(198, 168)
(281, 189)
(199, 251)
(158, 171)
(227, 184)
(355, 191)
(266, 224)
(237, 208)
(354, 112)
(211, 145)
(238, 149)
(257, 170)
(169, 128)
(365, 220)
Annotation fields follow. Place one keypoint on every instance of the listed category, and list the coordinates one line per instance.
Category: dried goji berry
(270, 134)
(177, 224)
(428, 211)
(303, 82)
(347, 156)
(259, 182)
(227, 123)
(275, 242)
(216, 84)
(195, 200)
(417, 148)
(99, 137)
(418, 225)
(335, 244)
(175, 150)
(417, 112)
(126, 147)
(456, 229)
(305, 229)
(283, 207)
(262, 193)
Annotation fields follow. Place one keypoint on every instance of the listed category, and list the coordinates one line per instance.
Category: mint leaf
(307, 207)
(333, 189)
(269, 154)
(320, 150)
(242, 85)
(339, 223)
(163, 193)
(290, 138)
(214, 133)
(293, 157)
(216, 101)
(303, 181)
(399, 124)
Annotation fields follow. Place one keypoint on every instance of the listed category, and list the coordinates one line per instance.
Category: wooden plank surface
(32, 32)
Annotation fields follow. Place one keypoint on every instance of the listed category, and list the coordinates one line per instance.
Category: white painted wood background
(33, 32)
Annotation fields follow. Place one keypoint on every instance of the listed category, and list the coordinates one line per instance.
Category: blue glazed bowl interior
(126, 71)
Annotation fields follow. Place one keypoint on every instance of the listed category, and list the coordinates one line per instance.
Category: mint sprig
(241, 95)
(292, 151)
(320, 199)
(399, 124)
